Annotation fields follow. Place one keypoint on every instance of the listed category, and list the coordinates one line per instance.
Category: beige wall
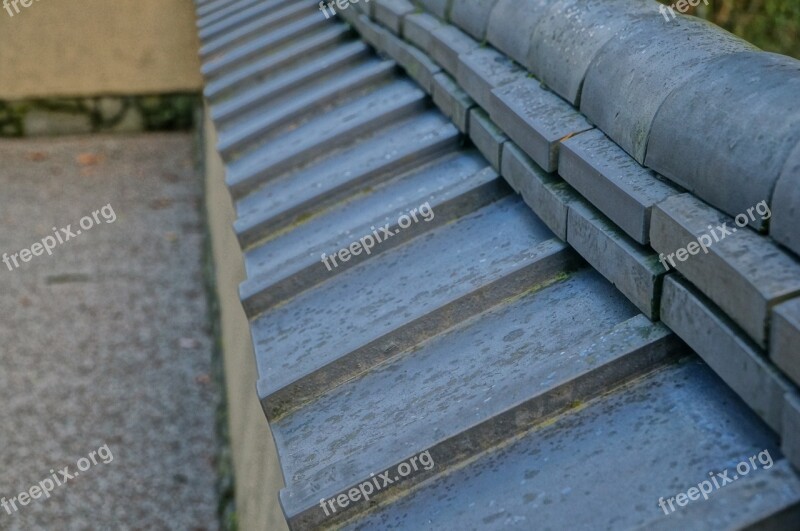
(255, 461)
(91, 47)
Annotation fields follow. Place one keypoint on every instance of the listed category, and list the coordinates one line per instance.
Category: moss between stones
(226, 484)
(164, 112)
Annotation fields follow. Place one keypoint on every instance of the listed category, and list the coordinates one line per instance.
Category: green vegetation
(772, 25)
(163, 112)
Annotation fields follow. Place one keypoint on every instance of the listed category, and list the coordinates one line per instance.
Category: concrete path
(105, 343)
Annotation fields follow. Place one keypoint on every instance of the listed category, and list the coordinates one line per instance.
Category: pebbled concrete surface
(106, 341)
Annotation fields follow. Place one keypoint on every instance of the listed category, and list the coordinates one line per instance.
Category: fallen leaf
(188, 342)
(161, 203)
(88, 159)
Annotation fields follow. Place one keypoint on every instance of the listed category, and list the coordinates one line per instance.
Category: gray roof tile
(481, 336)
(786, 204)
(248, 24)
(472, 16)
(483, 69)
(572, 472)
(731, 356)
(632, 75)
(536, 119)
(784, 344)
(724, 155)
(298, 76)
(480, 375)
(289, 264)
(382, 308)
(632, 268)
(613, 182)
(523, 16)
(248, 75)
(390, 150)
(258, 47)
(546, 194)
(300, 106)
(568, 36)
(742, 272)
(336, 129)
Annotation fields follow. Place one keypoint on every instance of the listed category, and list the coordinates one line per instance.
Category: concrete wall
(255, 461)
(58, 48)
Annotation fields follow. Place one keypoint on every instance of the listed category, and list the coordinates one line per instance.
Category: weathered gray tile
(306, 49)
(394, 301)
(305, 197)
(486, 136)
(632, 268)
(207, 8)
(784, 343)
(452, 101)
(414, 61)
(390, 151)
(786, 204)
(523, 16)
(634, 72)
(216, 66)
(535, 119)
(437, 7)
(732, 356)
(744, 273)
(267, 7)
(472, 16)
(571, 33)
(292, 263)
(349, 14)
(790, 443)
(335, 129)
(297, 108)
(365, 7)
(569, 474)
(417, 29)
(252, 24)
(372, 33)
(741, 505)
(613, 182)
(480, 373)
(731, 152)
(280, 84)
(390, 13)
(483, 69)
(546, 194)
(214, 14)
(447, 43)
